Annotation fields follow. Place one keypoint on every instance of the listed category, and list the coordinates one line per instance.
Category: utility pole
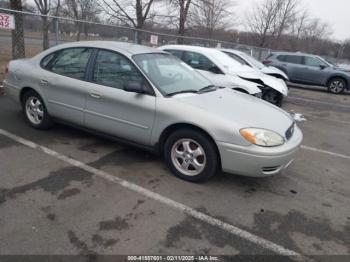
(18, 48)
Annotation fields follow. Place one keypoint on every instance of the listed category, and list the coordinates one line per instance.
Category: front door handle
(44, 82)
(96, 96)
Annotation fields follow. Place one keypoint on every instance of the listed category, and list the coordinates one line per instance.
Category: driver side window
(311, 61)
(114, 70)
(198, 61)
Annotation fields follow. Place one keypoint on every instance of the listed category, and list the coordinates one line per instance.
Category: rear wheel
(191, 155)
(273, 97)
(35, 111)
(336, 85)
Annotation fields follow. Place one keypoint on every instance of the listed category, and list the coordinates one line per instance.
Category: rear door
(112, 110)
(293, 65)
(64, 83)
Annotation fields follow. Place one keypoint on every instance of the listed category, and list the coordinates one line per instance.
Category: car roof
(292, 53)
(130, 48)
(234, 51)
(200, 49)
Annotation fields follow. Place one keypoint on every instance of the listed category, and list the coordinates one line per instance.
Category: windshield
(226, 61)
(253, 61)
(169, 74)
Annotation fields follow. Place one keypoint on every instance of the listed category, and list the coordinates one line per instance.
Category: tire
(336, 85)
(273, 97)
(191, 155)
(35, 111)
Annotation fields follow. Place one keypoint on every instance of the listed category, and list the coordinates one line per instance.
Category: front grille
(290, 131)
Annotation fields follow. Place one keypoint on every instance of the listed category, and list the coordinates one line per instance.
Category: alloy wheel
(34, 110)
(188, 156)
(336, 86)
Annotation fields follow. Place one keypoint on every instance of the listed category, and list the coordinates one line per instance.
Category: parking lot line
(278, 249)
(325, 152)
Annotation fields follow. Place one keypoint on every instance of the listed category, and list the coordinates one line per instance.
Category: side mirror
(134, 87)
(323, 67)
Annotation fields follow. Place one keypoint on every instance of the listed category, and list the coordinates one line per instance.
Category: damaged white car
(223, 70)
(248, 60)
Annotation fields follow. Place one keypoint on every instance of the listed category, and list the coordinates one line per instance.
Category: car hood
(231, 81)
(346, 70)
(273, 70)
(241, 109)
(258, 77)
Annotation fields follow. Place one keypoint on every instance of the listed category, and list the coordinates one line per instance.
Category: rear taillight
(266, 62)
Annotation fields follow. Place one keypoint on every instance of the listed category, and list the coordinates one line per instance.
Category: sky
(335, 12)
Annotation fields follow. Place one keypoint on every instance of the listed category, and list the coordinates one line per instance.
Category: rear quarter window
(46, 60)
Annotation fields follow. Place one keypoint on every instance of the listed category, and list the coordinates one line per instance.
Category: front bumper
(255, 161)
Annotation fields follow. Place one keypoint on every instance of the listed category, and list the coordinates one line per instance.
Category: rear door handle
(96, 96)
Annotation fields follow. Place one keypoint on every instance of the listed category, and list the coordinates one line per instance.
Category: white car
(248, 60)
(223, 70)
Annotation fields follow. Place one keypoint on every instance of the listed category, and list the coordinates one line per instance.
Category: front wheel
(191, 155)
(336, 85)
(273, 97)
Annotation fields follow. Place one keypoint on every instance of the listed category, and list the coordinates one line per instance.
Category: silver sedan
(149, 98)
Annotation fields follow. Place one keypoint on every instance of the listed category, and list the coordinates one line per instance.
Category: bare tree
(211, 15)
(81, 10)
(287, 13)
(262, 20)
(299, 24)
(18, 48)
(132, 12)
(44, 8)
(182, 7)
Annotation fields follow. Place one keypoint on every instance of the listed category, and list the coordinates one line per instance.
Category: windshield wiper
(206, 89)
(182, 92)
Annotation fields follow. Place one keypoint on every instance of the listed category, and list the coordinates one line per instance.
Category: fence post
(57, 33)
(136, 37)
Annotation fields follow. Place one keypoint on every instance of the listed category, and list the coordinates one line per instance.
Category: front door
(314, 70)
(112, 110)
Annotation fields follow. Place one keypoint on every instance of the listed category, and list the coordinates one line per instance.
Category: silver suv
(310, 69)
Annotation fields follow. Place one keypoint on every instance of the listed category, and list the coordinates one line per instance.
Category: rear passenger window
(294, 59)
(114, 70)
(70, 62)
(176, 53)
(198, 61)
(281, 58)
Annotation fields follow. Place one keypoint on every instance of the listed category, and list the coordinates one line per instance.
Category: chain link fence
(60, 30)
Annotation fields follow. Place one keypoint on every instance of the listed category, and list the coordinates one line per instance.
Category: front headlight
(262, 137)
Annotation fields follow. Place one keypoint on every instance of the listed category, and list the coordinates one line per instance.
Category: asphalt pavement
(64, 191)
